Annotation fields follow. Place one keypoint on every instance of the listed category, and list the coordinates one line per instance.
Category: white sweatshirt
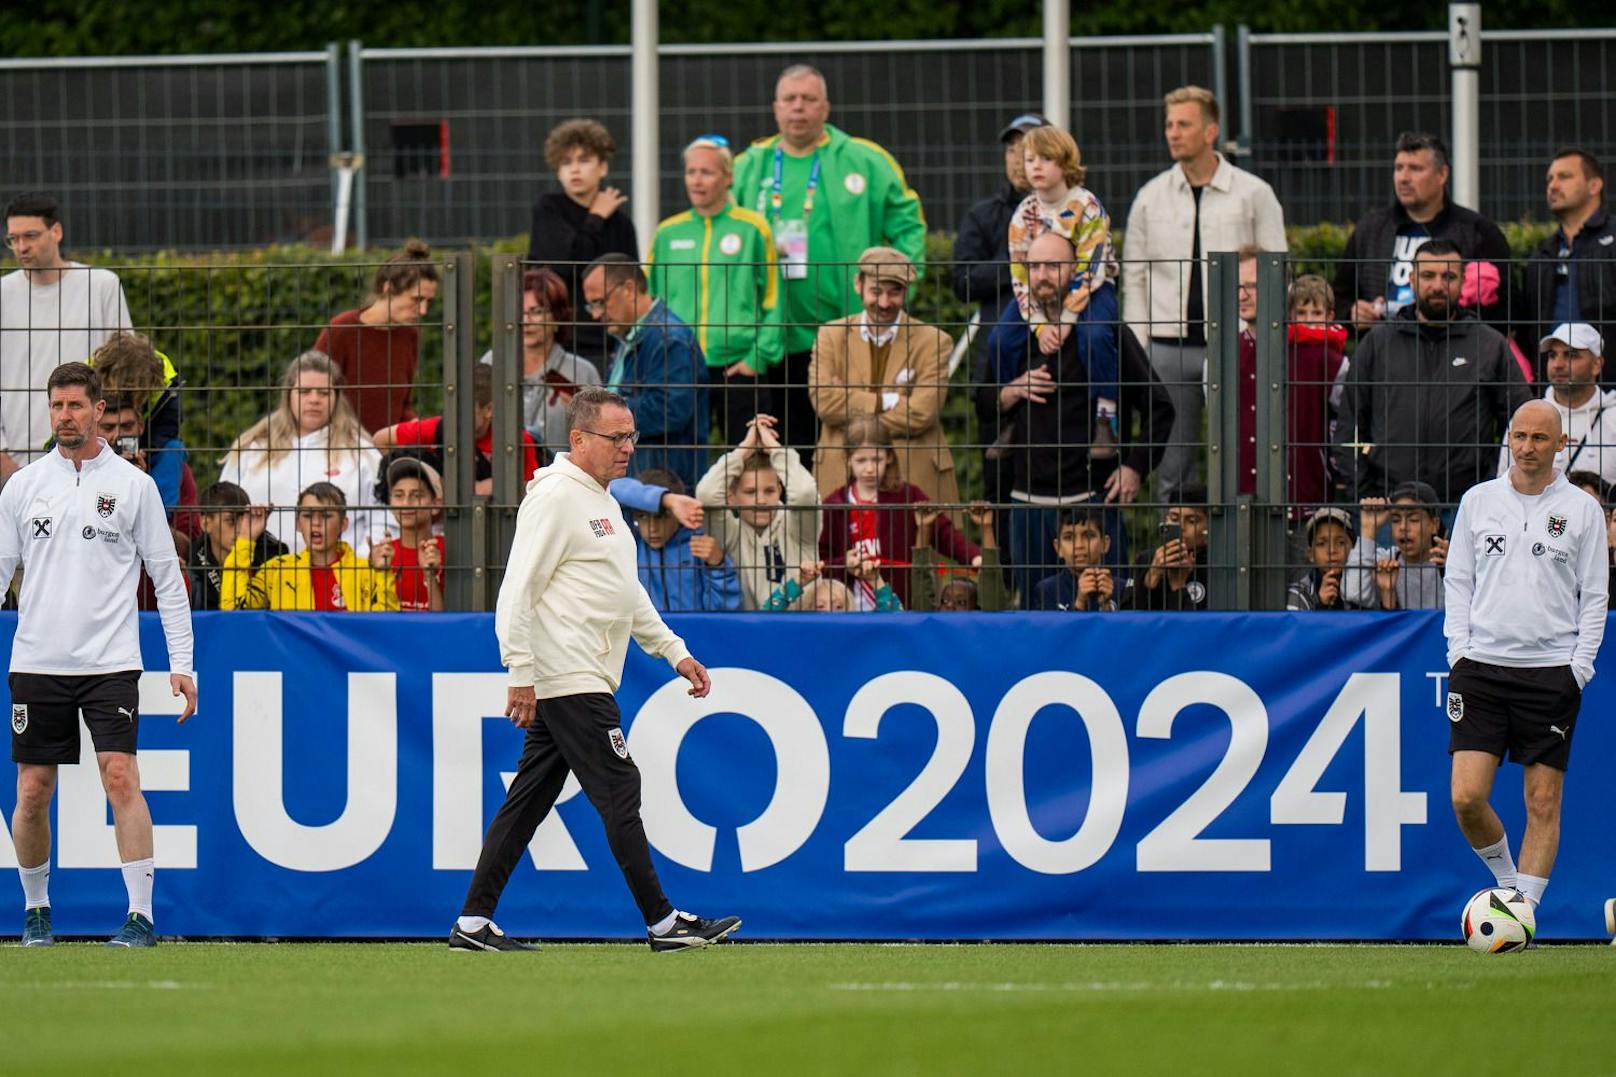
(80, 536)
(571, 595)
(43, 326)
(1528, 577)
(352, 469)
(765, 559)
(1590, 436)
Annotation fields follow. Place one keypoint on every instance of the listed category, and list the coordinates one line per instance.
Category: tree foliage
(116, 27)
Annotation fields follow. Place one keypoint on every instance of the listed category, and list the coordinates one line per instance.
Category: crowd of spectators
(792, 446)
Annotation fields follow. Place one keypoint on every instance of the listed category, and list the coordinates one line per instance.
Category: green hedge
(231, 321)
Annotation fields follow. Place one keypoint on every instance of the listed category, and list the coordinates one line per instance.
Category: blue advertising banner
(1035, 776)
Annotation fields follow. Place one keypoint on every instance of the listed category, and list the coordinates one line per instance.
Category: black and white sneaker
(487, 937)
(692, 932)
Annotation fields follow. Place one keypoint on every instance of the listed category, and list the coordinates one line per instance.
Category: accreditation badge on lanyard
(792, 236)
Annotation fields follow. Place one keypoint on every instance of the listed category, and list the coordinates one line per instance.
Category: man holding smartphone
(1175, 578)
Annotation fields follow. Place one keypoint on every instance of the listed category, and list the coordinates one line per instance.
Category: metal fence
(1319, 113)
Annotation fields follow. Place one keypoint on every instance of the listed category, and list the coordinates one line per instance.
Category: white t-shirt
(42, 327)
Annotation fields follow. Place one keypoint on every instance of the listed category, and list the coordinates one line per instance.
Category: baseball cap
(1330, 514)
(1421, 493)
(1579, 335)
(1022, 124)
(886, 263)
(409, 467)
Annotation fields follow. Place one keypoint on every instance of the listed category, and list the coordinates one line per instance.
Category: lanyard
(776, 199)
(1594, 425)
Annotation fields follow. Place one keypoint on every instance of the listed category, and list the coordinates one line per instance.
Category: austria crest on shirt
(105, 505)
(1557, 525)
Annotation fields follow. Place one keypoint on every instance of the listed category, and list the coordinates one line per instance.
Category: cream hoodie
(572, 596)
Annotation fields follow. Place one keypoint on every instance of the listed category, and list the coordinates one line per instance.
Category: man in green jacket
(827, 197)
(714, 265)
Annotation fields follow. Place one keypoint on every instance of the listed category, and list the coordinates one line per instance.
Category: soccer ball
(1498, 921)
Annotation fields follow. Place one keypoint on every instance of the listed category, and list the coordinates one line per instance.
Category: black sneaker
(36, 928)
(136, 931)
(487, 937)
(692, 932)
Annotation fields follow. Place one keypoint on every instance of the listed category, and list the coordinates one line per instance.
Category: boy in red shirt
(429, 432)
(415, 497)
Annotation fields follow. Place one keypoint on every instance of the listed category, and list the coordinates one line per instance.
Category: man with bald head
(1045, 411)
(828, 197)
(1527, 590)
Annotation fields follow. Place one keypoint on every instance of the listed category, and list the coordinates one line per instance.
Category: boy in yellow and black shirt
(327, 575)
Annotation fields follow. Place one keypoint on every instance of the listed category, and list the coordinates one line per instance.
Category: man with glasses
(51, 311)
(1572, 274)
(569, 602)
(657, 367)
(715, 266)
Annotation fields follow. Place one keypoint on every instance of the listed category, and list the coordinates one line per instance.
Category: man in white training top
(1527, 588)
(570, 600)
(81, 520)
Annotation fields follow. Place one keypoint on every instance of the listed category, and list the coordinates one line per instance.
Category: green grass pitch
(408, 1008)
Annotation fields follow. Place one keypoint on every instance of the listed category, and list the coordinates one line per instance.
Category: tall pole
(1057, 62)
(643, 120)
(1464, 57)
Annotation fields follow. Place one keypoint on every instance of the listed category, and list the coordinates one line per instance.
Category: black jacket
(1427, 402)
(1049, 442)
(982, 251)
(1593, 255)
(205, 571)
(1192, 596)
(1366, 263)
(566, 237)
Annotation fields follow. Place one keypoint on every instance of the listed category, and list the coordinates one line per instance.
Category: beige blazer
(842, 384)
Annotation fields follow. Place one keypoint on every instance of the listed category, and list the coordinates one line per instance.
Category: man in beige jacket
(883, 362)
(570, 600)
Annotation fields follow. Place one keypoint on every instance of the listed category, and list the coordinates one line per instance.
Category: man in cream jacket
(570, 600)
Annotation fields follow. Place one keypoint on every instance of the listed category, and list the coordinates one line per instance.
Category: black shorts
(45, 714)
(1522, 713)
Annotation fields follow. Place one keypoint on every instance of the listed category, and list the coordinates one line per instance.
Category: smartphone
(128, 447)
(1169, 532)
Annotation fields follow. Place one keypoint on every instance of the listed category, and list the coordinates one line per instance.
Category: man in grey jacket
(1430, 391)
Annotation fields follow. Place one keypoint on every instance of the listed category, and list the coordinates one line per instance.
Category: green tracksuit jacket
(718, 274)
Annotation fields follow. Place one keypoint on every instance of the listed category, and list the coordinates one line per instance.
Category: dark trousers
(742, 397)
(798, 420)
(573, 733)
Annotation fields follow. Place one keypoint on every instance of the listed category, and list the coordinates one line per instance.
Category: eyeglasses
(1244, 286)
(617, 440)
(535, 313)
(597, 306)
(30, 238)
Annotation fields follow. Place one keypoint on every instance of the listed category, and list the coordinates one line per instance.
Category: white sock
(471, 924)
(137, 879)
(35, 883)
(1532, 886)
(665, 925)
(1496, 856)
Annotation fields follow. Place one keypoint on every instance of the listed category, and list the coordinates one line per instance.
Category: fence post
(467, 584)
(1220, 71)
(1270, 544)
(333, 116)
(1464, 57)
(1242, 76)
(356, 107)
(509, 457)
(1231, 513)
(1058, 62)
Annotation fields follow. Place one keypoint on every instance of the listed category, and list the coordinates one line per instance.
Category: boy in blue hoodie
(683, 569)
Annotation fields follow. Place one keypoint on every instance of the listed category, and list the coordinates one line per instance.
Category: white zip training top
(80, 535)
(1528, 578)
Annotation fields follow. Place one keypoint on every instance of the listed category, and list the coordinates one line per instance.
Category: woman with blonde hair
(311, 436)
(377, 345)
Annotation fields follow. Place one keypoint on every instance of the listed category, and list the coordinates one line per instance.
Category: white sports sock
(1496, 856)
(137, 879)
(665, 925)
(35, 883)
(1532, 886)
(472, 924)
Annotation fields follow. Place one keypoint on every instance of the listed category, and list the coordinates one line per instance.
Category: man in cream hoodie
(1527, 589)
(569, 603)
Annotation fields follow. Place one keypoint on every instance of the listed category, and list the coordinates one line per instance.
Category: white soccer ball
(1498, 921)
